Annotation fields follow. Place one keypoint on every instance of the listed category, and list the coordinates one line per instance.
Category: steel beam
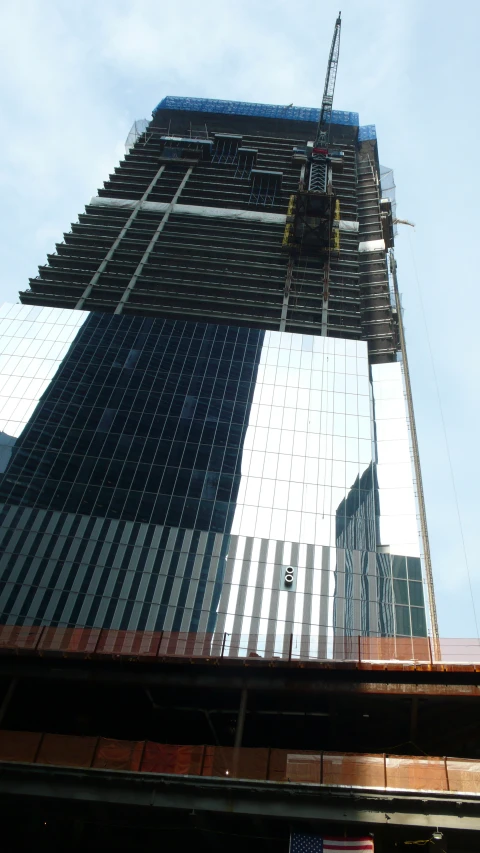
(285, 801)
(272, 680)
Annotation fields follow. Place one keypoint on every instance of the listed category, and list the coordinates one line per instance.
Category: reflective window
(216, 428)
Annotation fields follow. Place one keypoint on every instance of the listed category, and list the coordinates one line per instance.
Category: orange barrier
(244, 763)
(351, 769)
(67, 750)
(19, 746)
(463, 775)
(143, 644)
(168, 758)
(384, 772)
(423, 773)
(19, 638)
(301, 765)
(118, 754)
(67, 641)
(155, 645)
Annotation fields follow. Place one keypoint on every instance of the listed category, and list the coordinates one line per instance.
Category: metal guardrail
(151, 645)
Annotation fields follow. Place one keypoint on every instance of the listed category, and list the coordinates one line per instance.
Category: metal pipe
(239, 730)
(414, 719)
(241, 718)
(275, 713)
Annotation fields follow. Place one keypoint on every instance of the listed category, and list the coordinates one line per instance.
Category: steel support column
(239, 729)
(151, 245)
(286, 295)
(117, 241)
(416, 463)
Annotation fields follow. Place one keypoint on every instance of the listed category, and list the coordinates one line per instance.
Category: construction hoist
(312, 222)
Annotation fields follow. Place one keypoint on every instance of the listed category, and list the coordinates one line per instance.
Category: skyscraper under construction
(222, 441)
(214, 564)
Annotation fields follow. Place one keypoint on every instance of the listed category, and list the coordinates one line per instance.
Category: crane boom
(327, 101)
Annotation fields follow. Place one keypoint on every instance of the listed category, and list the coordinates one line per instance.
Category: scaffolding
(244, 108)
(137, 129)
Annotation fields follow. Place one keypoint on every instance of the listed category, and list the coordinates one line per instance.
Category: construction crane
(311, 212)
(324, 121)
(318, 169)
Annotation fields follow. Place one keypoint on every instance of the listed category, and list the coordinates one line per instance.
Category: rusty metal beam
(285, 801)
(272, 680)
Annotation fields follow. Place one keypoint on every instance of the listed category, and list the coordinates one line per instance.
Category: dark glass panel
(400, 589)
(189, 514)
(154, 478)
(414, 568)
(419, 625)
(416, 593)
(402, 618)
(183, 481)
(145, 508)
(399, 567)
(127, 474)
(160, 509)
(205, 510)
(174, 512)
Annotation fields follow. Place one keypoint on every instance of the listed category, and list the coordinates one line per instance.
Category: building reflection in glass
(158, 447)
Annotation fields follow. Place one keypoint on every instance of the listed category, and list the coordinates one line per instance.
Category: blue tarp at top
(243, 108)
(368, 131)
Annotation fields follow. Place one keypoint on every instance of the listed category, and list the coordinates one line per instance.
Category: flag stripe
(303, 842)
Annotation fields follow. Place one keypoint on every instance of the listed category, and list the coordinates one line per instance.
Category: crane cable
(445, 435)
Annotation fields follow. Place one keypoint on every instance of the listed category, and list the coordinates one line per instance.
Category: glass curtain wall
(234, 436)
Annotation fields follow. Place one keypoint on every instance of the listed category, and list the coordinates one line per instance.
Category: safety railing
(151, 645)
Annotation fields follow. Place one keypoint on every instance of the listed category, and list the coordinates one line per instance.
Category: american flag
(304, 842)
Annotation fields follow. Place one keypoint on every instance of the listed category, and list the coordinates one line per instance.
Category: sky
(74, 77)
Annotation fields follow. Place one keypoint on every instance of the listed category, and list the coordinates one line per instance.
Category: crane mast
(318, 171)
(325, 118)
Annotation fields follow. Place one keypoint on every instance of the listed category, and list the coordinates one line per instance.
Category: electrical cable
(445, 436)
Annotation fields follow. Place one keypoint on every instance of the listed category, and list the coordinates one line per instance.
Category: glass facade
(33, 342)
(144, 421)
(164, 473)
(265, 434)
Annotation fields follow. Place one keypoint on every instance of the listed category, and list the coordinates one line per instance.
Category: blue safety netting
(243, 108)
(368, 131)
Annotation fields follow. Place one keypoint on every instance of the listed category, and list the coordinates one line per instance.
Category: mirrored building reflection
(211, 451)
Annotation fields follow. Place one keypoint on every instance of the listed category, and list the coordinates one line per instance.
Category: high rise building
(222, 444)
(214, 563)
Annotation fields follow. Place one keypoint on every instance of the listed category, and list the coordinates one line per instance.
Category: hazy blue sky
(74, 76)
